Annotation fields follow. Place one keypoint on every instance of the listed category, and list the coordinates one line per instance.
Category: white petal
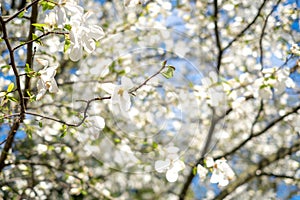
(116, 97)
(216, 176)
(96, 32)
(223, 182)
(53, 86)
(125, 101)
(97, 121)
(172, 176)
(177, 166)
(41, 93)
(126, 83)
(161, 165)
(75, 53)
(115, 109)
(88, 45)
(202, 171)
(42, 61)
(209, 161)
(108, 87)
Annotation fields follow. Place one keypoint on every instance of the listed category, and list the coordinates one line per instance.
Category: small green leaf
(38, 25)
(5, 67)
(35, 37)
(194, 170)
(29, 133)
(117, 140)
(21, 14)
(154, 145)
(169, 73)
(40, 124)
(12, 99)
(46, 5)
(63, 131)
(10, 87)
(67, 44)
(68, 27)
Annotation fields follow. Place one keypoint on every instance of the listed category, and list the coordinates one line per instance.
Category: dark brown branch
(251, 172)
(217, 35)
(38, 38)
(281, 176)
(16, 124)
(20, 11)
(29, 58)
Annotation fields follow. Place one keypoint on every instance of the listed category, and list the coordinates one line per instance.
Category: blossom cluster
(221, 171)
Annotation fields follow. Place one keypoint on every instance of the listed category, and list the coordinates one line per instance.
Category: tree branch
(252, 171)
(253, 135)
(247, 27)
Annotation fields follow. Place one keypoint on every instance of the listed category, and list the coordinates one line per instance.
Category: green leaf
(38, 25)
(117, 140)
(10, 87)
(5, 67)
(40, 124)
(47, 5)
(12, 99)
(21, 14)
(29, 133)
(154, 145)
(194, 170)
(67, 44)
(63, 131)
(34, 37)
(68, 27)
(169, 73)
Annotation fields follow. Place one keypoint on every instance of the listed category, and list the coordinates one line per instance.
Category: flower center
(120, 92)
(48, 84)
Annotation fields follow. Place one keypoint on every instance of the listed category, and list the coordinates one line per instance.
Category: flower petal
(126, 83)
(75, 52)
(172, 176)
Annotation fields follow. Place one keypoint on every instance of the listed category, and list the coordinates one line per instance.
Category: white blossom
(46, 80)
(83, 36)
(120, 97)
(172, 165)
(222, 172)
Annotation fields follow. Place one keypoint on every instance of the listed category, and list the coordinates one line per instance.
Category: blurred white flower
(41, 148)
(172, 165)
(94, 125)
(133, 3)
(120, 97)
(46, 80)
(295, 49)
